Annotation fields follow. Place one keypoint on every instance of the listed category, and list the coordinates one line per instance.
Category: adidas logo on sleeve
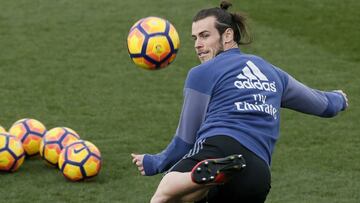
(252, 78)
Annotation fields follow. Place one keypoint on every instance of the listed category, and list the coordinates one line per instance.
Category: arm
(192, 115)
(299, 97)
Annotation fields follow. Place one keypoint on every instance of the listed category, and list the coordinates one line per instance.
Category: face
(208, 42)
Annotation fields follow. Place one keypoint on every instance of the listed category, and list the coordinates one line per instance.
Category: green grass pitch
(65, 63)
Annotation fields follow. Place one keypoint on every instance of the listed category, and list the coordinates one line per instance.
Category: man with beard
(229, 123)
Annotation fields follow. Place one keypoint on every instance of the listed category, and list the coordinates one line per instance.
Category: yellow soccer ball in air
(153, 43)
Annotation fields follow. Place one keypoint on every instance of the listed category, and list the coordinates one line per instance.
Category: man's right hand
(345, 97)
(137, 159)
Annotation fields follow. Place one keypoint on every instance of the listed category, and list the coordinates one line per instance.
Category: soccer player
(229, 123)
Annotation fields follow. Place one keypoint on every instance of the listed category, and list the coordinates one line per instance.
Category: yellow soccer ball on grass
(30, 132)
(54, 141)
(80, 160)
(12, 153)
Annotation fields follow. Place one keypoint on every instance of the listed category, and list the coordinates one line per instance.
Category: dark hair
(225, 19)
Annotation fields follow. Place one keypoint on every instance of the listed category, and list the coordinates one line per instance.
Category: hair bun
(225, 5)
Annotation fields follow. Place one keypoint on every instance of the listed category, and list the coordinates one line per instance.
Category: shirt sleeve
(299, 97)
(192, 115)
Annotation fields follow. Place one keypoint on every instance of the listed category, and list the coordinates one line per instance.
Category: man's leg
(178, 187)
(194, 185)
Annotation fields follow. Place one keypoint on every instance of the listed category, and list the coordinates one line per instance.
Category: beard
(216, 50)
(220, 47)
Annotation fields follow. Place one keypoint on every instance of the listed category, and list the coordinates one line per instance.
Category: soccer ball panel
(92, 166)
(61, 159)
(18, 130)
(158, 48)
(31, 144)
(6, 160)
(135, 41)
(36, 126)
(174, 37)
(2, 141)
(51, 153)
(153, 25)
(15, 146)
(72, 172)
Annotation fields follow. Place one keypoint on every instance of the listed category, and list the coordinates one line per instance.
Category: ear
(228, 35)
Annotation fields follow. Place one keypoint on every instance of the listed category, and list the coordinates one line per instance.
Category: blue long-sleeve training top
(239, 95)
